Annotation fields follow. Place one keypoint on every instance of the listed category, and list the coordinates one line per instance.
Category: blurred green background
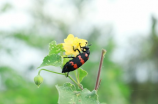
(130, 70)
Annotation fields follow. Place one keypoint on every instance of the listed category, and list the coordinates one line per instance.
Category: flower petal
(73, 42)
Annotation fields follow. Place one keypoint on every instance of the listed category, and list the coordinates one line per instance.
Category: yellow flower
(71, 42)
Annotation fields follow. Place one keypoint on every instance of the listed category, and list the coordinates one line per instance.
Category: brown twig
(99, 83)
(99, 71)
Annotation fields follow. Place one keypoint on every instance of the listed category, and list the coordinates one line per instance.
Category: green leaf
(52, 60)
(55, 48)
(69, 95)
(81, 73)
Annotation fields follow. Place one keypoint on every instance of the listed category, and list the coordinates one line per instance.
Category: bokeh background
(127, 29)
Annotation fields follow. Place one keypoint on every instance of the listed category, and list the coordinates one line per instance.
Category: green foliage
(31, 39)
(81, 73)
(19, 90)
(51, 60)
(67, 92)
(69, 95)
(55, 48)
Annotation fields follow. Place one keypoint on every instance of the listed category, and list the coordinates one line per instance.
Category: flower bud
(38, 80)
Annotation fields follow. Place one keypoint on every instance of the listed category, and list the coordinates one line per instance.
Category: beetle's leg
(67, 74)
(76, 49)
(84, 46)
(69, 57)
(80, 45)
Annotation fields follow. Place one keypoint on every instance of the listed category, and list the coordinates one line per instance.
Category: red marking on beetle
(86, 55)
(74, 65)
(81, 60)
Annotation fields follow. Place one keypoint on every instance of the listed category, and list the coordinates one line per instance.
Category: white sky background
(128, 17)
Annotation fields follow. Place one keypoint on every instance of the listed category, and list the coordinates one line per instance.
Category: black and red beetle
(77, 61)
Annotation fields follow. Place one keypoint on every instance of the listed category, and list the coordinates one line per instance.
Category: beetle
(77, 61)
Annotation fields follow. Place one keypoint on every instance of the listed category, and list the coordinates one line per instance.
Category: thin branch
(76, 75)
(75, 82)
(50, 71)
(99, 84)
(99, 71)
(61, 74)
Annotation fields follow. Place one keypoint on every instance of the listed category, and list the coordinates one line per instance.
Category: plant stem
(76, 75)
(99, 71)
(50, 71)
(61, 74)
(75, 82)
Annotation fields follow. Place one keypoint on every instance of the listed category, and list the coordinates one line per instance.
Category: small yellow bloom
(71, 42)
